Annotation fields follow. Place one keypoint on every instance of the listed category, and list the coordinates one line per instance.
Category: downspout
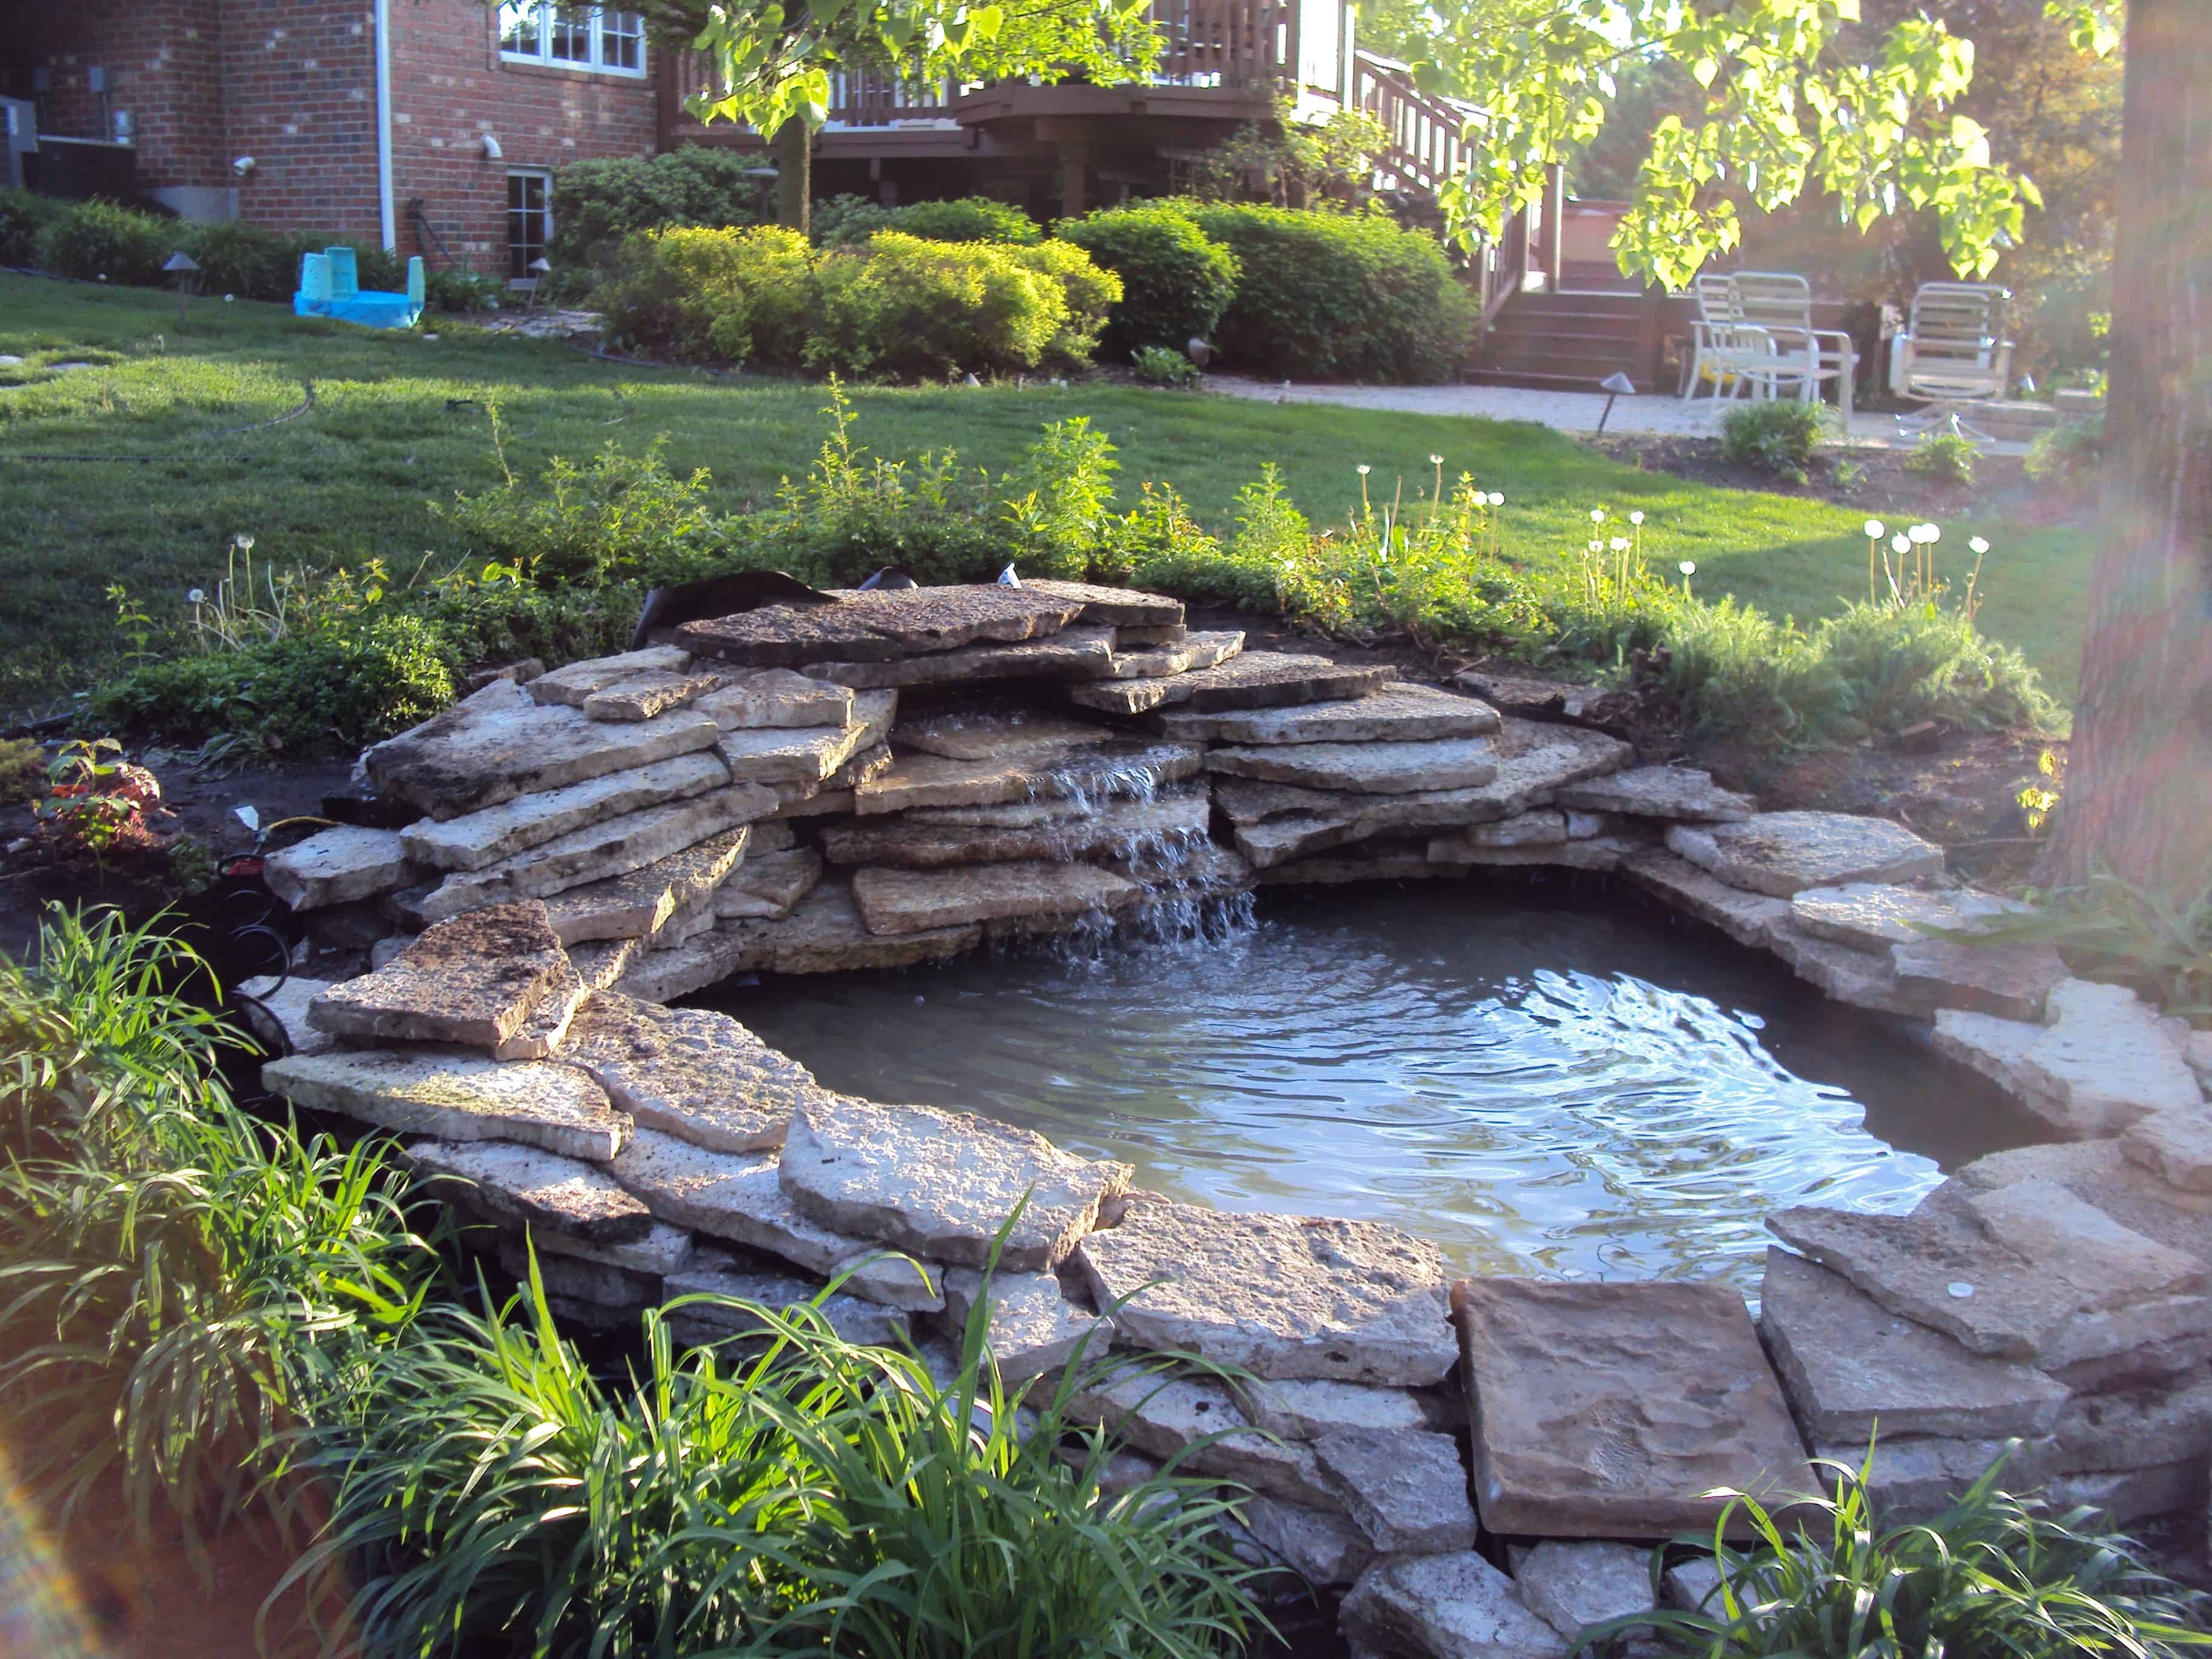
(387, 220)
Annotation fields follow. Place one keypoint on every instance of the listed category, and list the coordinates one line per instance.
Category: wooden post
(1074, 162)
(1650, 336)
(1555, 217)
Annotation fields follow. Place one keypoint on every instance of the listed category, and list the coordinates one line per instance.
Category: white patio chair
(1953, 352)
(1725, 348)
(1781, 302)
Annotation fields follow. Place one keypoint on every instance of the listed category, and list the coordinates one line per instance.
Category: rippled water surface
(1564, 1088)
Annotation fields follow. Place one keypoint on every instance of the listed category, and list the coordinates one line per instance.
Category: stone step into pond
(1472, 1206)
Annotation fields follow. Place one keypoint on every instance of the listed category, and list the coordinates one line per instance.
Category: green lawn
(399, 421)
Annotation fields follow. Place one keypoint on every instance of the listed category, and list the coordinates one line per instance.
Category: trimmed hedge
(1338, 295)
(1176, 280)
(24, 219)
(599, 206)
(849, 221)
(104, 241)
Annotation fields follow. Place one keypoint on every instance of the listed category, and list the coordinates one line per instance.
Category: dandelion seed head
(1977, 543)
(1363, 468)
(197, 596)
(1597, 515)
(244, 543)
(1436, 461)
(1875, 530)
(1688, 567)
(1637, 516)
(1901, 541)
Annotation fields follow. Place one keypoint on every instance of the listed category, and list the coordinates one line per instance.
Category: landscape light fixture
(182, 267)
(1615, 384)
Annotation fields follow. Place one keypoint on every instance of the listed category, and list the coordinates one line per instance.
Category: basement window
(600, 38)
(528, 220)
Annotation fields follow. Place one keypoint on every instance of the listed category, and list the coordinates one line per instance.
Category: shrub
(587, 524)
(243, 259)
(968, 219)
(1908, 663)
(909, 309)
(1338, 295)
(1176, 280)
(2069, 453)
(1091, 294)
(101, 240)
(459, 290)
(1777, 436)
(599, 206)
(24, 219)
(688, 293)
(846, 221)
(1949, 457)
(1994, 1574)
(1163, 366)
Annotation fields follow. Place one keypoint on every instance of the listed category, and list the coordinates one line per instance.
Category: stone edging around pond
(624, 831)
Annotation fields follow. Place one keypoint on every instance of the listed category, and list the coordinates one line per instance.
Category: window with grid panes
(529, 220)
(601, 38)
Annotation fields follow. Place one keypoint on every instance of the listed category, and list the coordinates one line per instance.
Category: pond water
(1535, 1083)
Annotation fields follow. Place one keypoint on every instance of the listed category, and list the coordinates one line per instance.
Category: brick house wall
(299, 95)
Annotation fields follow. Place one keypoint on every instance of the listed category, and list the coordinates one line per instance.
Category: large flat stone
(880, 625)
(1873, 915)
(1119, 607)
(1189, 654)
(1195, 1420)
(768, 884)
(2176, 1147)
(2013, 981)
(1283, 1296)
(1859, 977)
(661, 1251)
(824, 935)
(613, 846)
(1661, 791)
(1747, 918)
(1090, 772)
(2027, 1271)
(528, 1187)
(2100, 1173)
(453, 1098)
(1253, 679)
(475, 980)
(1784, 853)
(1572, 1586)
(895, 902)
(708, 958)
(776, 697)
(1994, 1046)
(2107, 1060)
(478, 840)
(572, 685)
(640, 904)
(1610, 1410)
(730, 1278)
(1000, 734)
(1074, 654)
(1405, 1487)
(807, 754)
(1445, 1607)
(601, 963)
(1325, 1549)
(2138, 1428)
(1399, 712)
(275, 1013)
(1849, 1364)
(1032, 1326)
(573, 1279)
(655, 691)
(1116, 827)
(943, 1184)
(1395, 863)
(337, 866)
(1604, 852)
(689, 1072)
(737, 1196)
(500, 743)
(1364, 768)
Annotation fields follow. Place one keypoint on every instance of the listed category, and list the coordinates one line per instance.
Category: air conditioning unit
(22, 140)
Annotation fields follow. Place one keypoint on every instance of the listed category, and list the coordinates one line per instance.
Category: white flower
(1497, 498)
(1924, 533)
(1977, 545)
(1688, 567)
(227, 298)
(1597, 547)
(1901, 541)
(197, 596)
(243, 543)
(1875, 530)
(1363, 468)
(1597, 515)
(1436, 461)
(1620, 544)
(1637, 516)
(1934, 532)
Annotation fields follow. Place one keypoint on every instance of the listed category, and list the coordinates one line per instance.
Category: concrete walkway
(1562, 412)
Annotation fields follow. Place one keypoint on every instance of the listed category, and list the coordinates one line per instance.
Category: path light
(1615, 384)
(182, 267)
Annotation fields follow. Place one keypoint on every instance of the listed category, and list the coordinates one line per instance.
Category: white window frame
(544, 176)
(543, 14)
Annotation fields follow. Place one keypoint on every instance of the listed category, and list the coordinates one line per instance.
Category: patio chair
(1781, 302)
(1725, 347)
(1953, 352)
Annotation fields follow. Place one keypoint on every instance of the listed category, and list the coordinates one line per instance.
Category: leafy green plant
(1947, 457)
(2070, 454)
(1176, 281)
(1778, 435)
(100, 241)
(24, 218)
(795, 1493)
(968, 219)
(587, 524)
(22, 769)
(904, 308)
(246, 260)
(1163, 366)
(2119, 931)
(597, 205)
(457, 290)
(1994, 1574)
(1089, 291)
(95, 805)
(696, 293)
(846, 221)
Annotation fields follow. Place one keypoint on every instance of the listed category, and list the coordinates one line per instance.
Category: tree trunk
(793, 151)
(2138, 798)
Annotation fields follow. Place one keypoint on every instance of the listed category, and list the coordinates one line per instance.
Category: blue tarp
(329, 286)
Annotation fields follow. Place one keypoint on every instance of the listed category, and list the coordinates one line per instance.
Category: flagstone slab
(456, 1097)
(1074, 654)
(737, 1196)
(1280, 1297)
(475, 980)
(1397, 863)
(641, 697)
(1325, 1549)
(943, 1184)
(880, 625)
(807, 754)
(776, 698)
(1305, 1408)
(640, 904)
(337, 866)
(1604, 852)
(768, 884)
(1404, 1488)
(866, 767)
(478, 840)
(1252, 679)
(1660, 792)
(1399, 711)
(613, 846)
(275, 1013)
(1454, 1606)
(1119, 607)
(662, 1251)
(689, 1072)
(1080, 774)
(1873, 915)
(573, 685)
(824, 935)
(2102, 1173)
(1573, 1585)
(601, 962)
(1785, 853)
(720, 1273)
(1195, 1421)
(547, 1191)
(500, 743)
(1608, 1410)
(1364, 768)
(894, 900)
(1861, 978)
(1117, 826)
(998, 734)
(706, 959)
(1187, 655)
(2014, 981)
(2175, 1146)
(1032, 1326)
(2027, 1271)
(579, 1279)
(1849, 1365)
(2107, 1059)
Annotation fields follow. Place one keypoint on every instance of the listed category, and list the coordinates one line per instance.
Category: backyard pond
(1537, 1084)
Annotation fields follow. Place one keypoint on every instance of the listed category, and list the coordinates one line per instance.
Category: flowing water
(1537, 1085)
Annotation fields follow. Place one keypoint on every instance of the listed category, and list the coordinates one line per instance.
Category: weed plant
(1946, 456)
(1778, 435)
(2116, 930)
